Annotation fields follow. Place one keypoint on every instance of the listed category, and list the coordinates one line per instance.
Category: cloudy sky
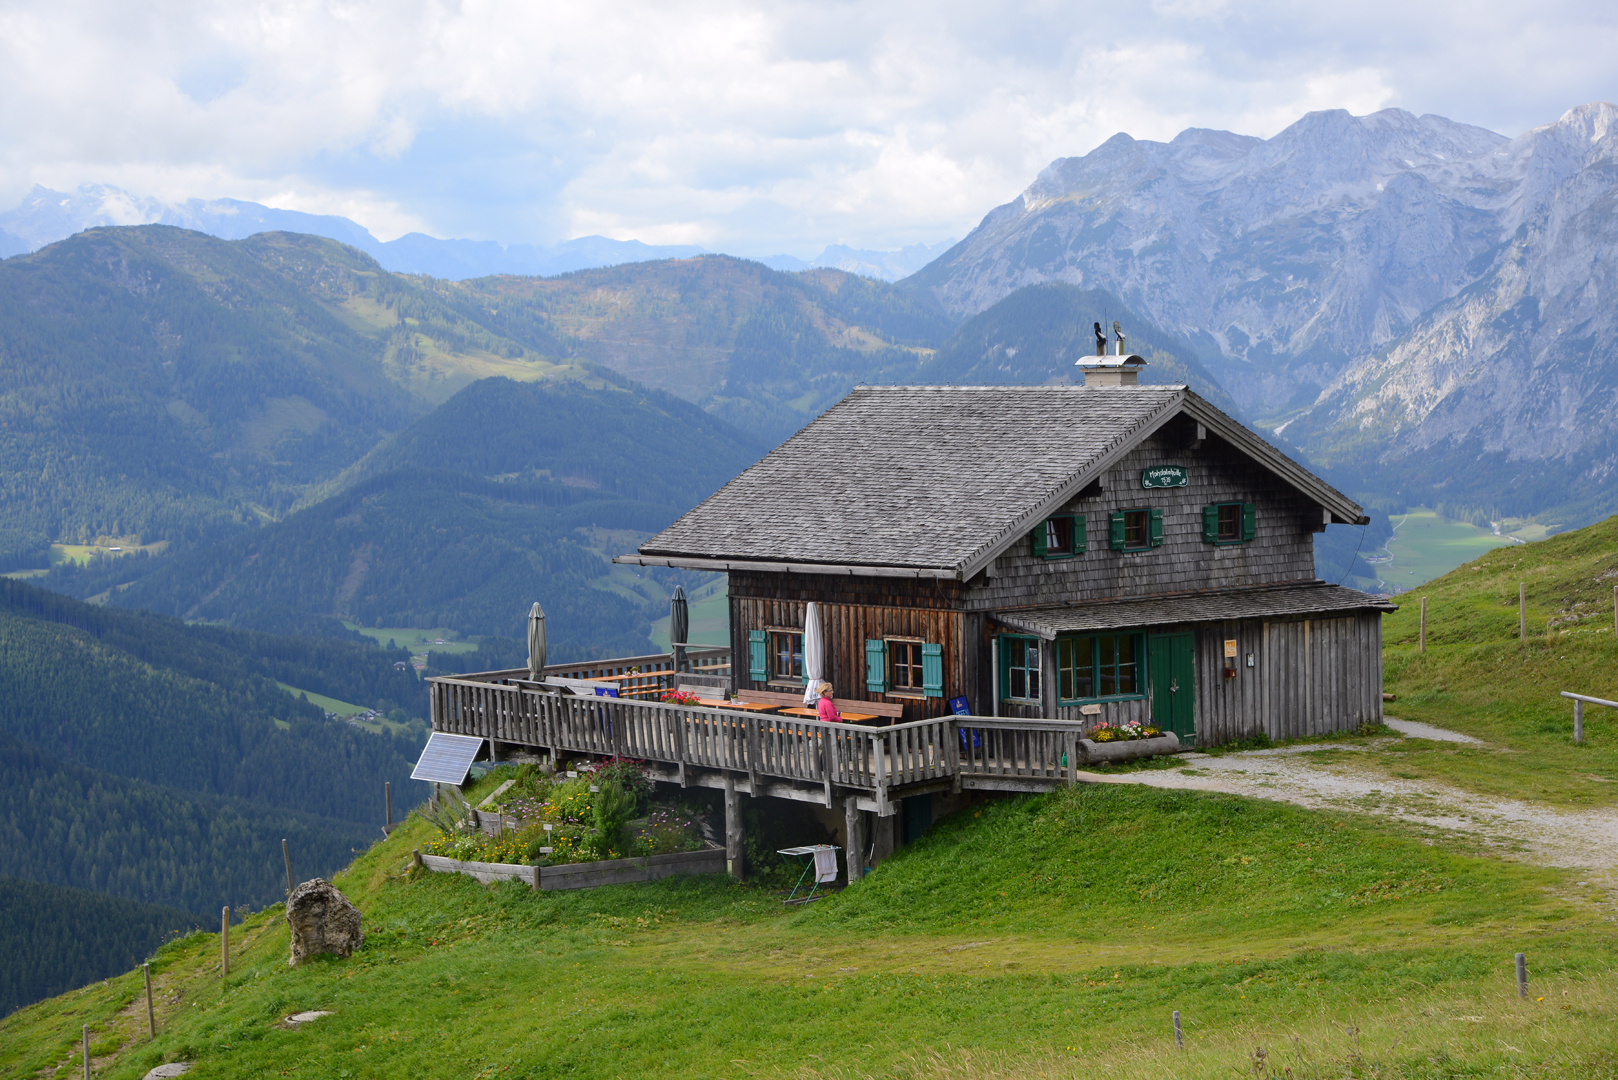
(754, 128)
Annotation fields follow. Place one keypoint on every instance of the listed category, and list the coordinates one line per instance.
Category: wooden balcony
(780, 756)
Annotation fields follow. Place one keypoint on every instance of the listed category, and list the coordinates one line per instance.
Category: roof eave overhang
(693, 562)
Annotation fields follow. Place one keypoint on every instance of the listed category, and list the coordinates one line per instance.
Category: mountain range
(45, 216)
(1426, 305)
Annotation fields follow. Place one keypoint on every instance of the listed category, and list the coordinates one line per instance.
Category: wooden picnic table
(850, 717)
(744, 706)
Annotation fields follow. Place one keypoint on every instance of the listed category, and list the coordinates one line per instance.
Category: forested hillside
(54, 939)
(64, 824)
(764, 350)
(508, 493)
(161, 762)
(161, 384)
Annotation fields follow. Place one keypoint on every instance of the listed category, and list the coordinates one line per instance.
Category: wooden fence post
(287, 855)
(1522, 976)
(86, 1052)
(1578, 721)
(1179, 1040)
(224, 942)
(1522, 613)
(1423, 646)
(387, 795)
(151, 1013)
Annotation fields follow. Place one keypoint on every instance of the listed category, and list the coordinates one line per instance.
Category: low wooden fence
(1579, 701)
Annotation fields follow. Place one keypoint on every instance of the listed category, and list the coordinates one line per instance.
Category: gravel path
(1538, 834)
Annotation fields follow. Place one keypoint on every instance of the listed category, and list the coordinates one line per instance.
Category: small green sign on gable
(1164, 476)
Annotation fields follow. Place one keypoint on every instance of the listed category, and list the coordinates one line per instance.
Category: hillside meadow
(1039, 936)
(1478, 678)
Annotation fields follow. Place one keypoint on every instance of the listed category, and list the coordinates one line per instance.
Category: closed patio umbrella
(536, 642)
(814, 648)
(679, 627)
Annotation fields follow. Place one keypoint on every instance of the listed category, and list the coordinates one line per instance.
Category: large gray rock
(322, 921)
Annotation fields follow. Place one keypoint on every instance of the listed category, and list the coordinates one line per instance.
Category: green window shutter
(1004, 674)
(1115, 531)
(932, 670)
(758, 655)
(1210, 524)
(1079, 540)
(1157, 528)
(1040, 551)
(1249, 521)
(876, 666)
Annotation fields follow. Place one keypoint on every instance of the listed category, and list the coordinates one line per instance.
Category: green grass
(330, 704)
(414, 638)
(1425, 546)
(1047, 935)
(83, 553)
(1476, 677)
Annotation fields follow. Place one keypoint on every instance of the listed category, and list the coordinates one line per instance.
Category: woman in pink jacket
(828, 708)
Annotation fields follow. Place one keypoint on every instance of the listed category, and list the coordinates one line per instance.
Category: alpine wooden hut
(1104, 552)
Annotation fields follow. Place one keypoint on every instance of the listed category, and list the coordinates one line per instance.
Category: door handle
(1174, 686)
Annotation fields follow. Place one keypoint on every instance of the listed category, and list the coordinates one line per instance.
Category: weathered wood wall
(846, 627)
(1311, 677)
(1282, 550)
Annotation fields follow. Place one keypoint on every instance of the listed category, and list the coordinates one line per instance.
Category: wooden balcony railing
(961, 751)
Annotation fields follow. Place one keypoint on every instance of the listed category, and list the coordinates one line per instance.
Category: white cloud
(752, 127)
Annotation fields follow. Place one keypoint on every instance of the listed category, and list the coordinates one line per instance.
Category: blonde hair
(823, 689)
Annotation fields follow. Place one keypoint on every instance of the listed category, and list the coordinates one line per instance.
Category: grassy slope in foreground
(1478, 678)
(1046, 935)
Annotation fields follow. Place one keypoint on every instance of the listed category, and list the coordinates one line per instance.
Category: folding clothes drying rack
(819, 860)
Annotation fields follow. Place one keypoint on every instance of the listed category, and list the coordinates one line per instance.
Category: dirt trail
(1533, 833)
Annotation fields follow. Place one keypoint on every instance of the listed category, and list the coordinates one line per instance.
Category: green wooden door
(1171, 668)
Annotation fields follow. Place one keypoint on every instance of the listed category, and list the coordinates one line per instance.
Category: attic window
(1229, 523)
(1135, 530)
(1060, 537)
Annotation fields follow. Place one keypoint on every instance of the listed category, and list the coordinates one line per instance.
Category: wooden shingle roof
(934, 481)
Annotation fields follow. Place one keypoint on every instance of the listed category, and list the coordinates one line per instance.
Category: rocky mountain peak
(1381, 283)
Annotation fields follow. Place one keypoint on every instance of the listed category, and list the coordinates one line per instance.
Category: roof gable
(938, 479)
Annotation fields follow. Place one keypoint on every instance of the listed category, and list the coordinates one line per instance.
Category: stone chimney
(1118, 369)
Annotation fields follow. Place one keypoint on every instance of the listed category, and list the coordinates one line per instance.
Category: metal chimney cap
(1132, 360)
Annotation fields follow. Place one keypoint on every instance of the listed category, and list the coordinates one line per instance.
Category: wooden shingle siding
(1282, 550)
(846, 628)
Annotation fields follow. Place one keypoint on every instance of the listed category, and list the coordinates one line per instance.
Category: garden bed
(584, 875)
(597, 814)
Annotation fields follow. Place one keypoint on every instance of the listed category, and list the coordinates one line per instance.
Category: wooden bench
(892, 710)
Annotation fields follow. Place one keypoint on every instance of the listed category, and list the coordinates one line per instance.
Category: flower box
(1094, 753)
